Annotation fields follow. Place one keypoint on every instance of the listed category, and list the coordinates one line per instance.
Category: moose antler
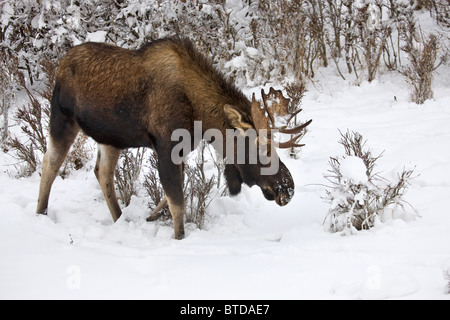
(276, 106)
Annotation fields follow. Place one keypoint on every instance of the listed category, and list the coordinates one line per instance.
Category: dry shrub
(33, 120)
(291, 35)
(373, 35)
(295, 92)
(10, 79)
(78, 155)
(439, 10)
(423, 53)
(198, 188)
(127, 173)
(154, 189)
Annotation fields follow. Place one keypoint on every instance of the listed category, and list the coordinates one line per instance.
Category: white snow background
(250, 248)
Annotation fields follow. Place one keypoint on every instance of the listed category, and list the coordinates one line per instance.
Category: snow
(251, 248)
(97, 36)
(236, 63)
(6, 14)
(353, 169)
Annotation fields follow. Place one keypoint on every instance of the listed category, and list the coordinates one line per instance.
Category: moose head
(275, 184)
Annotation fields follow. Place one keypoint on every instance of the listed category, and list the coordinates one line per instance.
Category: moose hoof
(43, 212)
(155, 216)
(179, 235)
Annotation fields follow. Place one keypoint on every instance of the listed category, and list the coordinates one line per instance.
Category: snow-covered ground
(251, 248)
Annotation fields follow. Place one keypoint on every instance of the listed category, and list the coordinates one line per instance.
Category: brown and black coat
(137, 98)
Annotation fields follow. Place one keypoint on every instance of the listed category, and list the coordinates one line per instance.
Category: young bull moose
(137, 98)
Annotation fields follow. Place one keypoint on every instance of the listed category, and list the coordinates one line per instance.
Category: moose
(136, 98)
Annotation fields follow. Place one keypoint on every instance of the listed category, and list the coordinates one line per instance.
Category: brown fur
(162, 73)
(131, 98)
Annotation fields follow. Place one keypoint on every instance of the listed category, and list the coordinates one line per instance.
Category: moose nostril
(269, 194)
(282, 200)
(284, 196)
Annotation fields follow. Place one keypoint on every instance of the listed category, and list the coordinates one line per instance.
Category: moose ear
(235, 117)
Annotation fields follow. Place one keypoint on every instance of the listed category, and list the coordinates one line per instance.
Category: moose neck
(209, 98)
(208, 101)
(208, 90)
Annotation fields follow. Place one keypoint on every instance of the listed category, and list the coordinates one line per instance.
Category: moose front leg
(177, 210)
(171, 176)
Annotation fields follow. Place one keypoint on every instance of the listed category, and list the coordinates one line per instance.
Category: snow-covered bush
(447, 279)
(358, 197)
(33, 29)
(266, 40)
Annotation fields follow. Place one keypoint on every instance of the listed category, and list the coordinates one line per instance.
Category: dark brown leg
(171, 176)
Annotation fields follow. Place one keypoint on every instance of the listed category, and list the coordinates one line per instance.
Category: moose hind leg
(107, 157)
(57, 150)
